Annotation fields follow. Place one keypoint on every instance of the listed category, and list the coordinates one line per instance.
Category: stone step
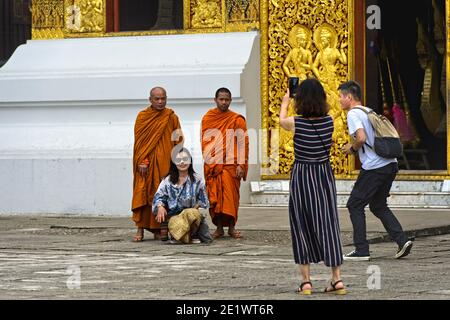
(404, 194)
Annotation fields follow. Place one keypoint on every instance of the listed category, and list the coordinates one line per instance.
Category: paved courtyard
(71, 257)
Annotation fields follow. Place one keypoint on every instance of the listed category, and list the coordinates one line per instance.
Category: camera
(293, 84)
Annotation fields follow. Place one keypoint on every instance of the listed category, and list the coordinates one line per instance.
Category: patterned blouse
(176, 198)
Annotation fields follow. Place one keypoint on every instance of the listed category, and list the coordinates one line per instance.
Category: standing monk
(225, 152)
(157, 130)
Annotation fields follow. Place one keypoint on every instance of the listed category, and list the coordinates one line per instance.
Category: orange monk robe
(222, 154)
(155, 135)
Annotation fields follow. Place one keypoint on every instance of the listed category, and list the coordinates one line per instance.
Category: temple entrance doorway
(405, 64)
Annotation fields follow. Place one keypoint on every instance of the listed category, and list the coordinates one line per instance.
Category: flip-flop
(138, 238)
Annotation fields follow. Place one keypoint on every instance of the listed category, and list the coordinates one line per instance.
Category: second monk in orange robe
(225, 153)
(156, 132)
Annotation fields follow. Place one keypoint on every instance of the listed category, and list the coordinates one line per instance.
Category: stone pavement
(79, 257)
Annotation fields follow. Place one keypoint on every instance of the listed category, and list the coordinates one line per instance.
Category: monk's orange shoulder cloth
(213, 122)
(220, 175)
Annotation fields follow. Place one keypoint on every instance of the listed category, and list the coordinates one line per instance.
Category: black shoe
(355, 256)
(405, 250)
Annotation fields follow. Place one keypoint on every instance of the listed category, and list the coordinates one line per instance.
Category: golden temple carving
(306, 38)
(47, 18)
(242, 10)
(298, 62)
(84, 16)
(242, 15)
(87, 18)
(206, 13)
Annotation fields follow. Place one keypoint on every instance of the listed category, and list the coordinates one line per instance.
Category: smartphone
(293, 84)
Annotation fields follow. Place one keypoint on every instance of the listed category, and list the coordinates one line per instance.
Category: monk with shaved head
(225, 152)
(156, 132)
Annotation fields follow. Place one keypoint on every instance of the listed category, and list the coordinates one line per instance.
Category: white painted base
(67, 112)
(66, 186)
(407, 194)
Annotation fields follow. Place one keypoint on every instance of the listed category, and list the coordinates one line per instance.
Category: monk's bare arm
(177, 136)
(142, 166)
(243, 149)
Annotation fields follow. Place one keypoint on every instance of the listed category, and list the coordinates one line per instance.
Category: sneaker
(405, 250)
(355, 256)
(195, 241)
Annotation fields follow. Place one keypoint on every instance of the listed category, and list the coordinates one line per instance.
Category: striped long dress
(313, 211)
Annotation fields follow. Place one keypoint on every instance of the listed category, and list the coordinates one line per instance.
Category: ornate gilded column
(307, 38)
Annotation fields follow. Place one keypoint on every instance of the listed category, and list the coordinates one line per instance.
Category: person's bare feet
(139, 236)
(218, 233)
(232, 232)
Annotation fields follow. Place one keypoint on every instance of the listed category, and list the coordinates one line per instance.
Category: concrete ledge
(397, 199)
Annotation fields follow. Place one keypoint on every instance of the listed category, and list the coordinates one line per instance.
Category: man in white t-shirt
(374, 180)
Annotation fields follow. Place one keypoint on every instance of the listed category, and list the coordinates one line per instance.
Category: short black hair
(351, 87)
(311, 99)
(226, 90)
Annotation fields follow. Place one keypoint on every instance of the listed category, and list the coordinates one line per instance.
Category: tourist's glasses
(182, 159)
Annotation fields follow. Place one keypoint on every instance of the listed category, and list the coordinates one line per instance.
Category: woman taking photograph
(313, 211)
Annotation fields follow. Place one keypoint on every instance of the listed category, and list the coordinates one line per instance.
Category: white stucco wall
(67, 111)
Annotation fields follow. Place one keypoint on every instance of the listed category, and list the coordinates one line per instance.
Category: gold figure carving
(290, 52)
(325, 69)
(207, 14)
(92, 16)
(298, 62)
(242, 10)
(47, 19)
(325, 39)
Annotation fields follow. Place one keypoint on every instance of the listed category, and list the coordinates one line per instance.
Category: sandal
(306, 291)
(335, 290)
(235, 234)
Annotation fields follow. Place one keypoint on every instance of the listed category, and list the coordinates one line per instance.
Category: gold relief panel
(222, 15)
(304, 38)
(84, 16)
(47, 19)
(242, 15)
(203, 14)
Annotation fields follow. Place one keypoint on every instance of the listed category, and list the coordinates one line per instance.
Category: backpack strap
(362, 109)
(366, 112)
